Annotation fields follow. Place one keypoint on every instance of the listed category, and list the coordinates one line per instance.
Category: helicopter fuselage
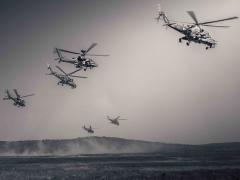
(17, 101)
(114, 121)
(65, 80)
(193, 33)
(82, 62)
(89, 130)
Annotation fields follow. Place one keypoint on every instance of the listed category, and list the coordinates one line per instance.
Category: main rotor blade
(27, 95)
(97, 55)
(220, 20)
(90, 47)
(61, 70)
(79, 76)
(208, 25)
(56, 50)
(67, 51)
(15, 90)
(5, 98)
(193, 16)
(183, 22)
(69, 74)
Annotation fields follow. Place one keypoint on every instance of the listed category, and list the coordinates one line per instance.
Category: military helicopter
(89, 130)
(81, 61)
(18, 100)
(115, 121)
(193, 32)
(64, 78)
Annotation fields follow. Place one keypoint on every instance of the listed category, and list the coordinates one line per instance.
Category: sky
(168, 92)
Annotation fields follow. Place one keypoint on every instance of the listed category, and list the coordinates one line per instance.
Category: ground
(117, 167)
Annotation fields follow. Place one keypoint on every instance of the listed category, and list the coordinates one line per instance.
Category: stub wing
(6, 98)
(209, 42)
(68, 61)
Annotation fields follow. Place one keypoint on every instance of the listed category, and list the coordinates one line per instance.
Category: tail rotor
(162, 16)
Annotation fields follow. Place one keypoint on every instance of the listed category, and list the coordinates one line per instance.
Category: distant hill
(111, 145)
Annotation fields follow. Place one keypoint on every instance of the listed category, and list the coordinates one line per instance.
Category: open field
(118, 166)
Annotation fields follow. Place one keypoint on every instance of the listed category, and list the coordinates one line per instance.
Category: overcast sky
(168, 92)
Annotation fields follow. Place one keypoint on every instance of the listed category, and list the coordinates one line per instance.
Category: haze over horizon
(168, 92)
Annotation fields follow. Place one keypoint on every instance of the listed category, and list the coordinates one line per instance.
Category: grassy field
(118, 167)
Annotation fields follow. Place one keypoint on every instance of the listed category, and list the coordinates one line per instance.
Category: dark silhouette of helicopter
(18, 100)
(193, 32)
(64, 78)
(115, 121)
(81, 61)
(89, 130)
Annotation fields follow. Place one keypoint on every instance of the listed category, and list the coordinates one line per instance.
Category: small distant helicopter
(115, 121)
(193, 32)
(18, 100)
(89, 130)
(81, 61)
(64, 78)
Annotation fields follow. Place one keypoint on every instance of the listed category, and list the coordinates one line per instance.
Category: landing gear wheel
(180, 40)
(207, 48)
(187, 43)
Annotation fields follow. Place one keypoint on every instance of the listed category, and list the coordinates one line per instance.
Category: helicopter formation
(193, 32)
(81, 62)
(114, 121)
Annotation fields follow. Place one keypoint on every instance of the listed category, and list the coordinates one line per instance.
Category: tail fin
(8, 95)
(59, 54)
(7, 92)
(164, 17)
(49, 67)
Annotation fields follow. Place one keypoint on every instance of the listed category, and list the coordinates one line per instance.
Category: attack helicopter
(81, 61)
(115, 121)
(64, 78)
(18, 100)
(89, 130)
(193, 32)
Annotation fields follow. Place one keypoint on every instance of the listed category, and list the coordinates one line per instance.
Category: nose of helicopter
(74, 86)
(95, 64)
(23, 103)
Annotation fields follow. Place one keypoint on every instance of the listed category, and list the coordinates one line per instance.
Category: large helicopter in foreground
(18, 100)
(64, 78)
(89, 130)
(81, 61)
(115, 121)
(193, 32)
